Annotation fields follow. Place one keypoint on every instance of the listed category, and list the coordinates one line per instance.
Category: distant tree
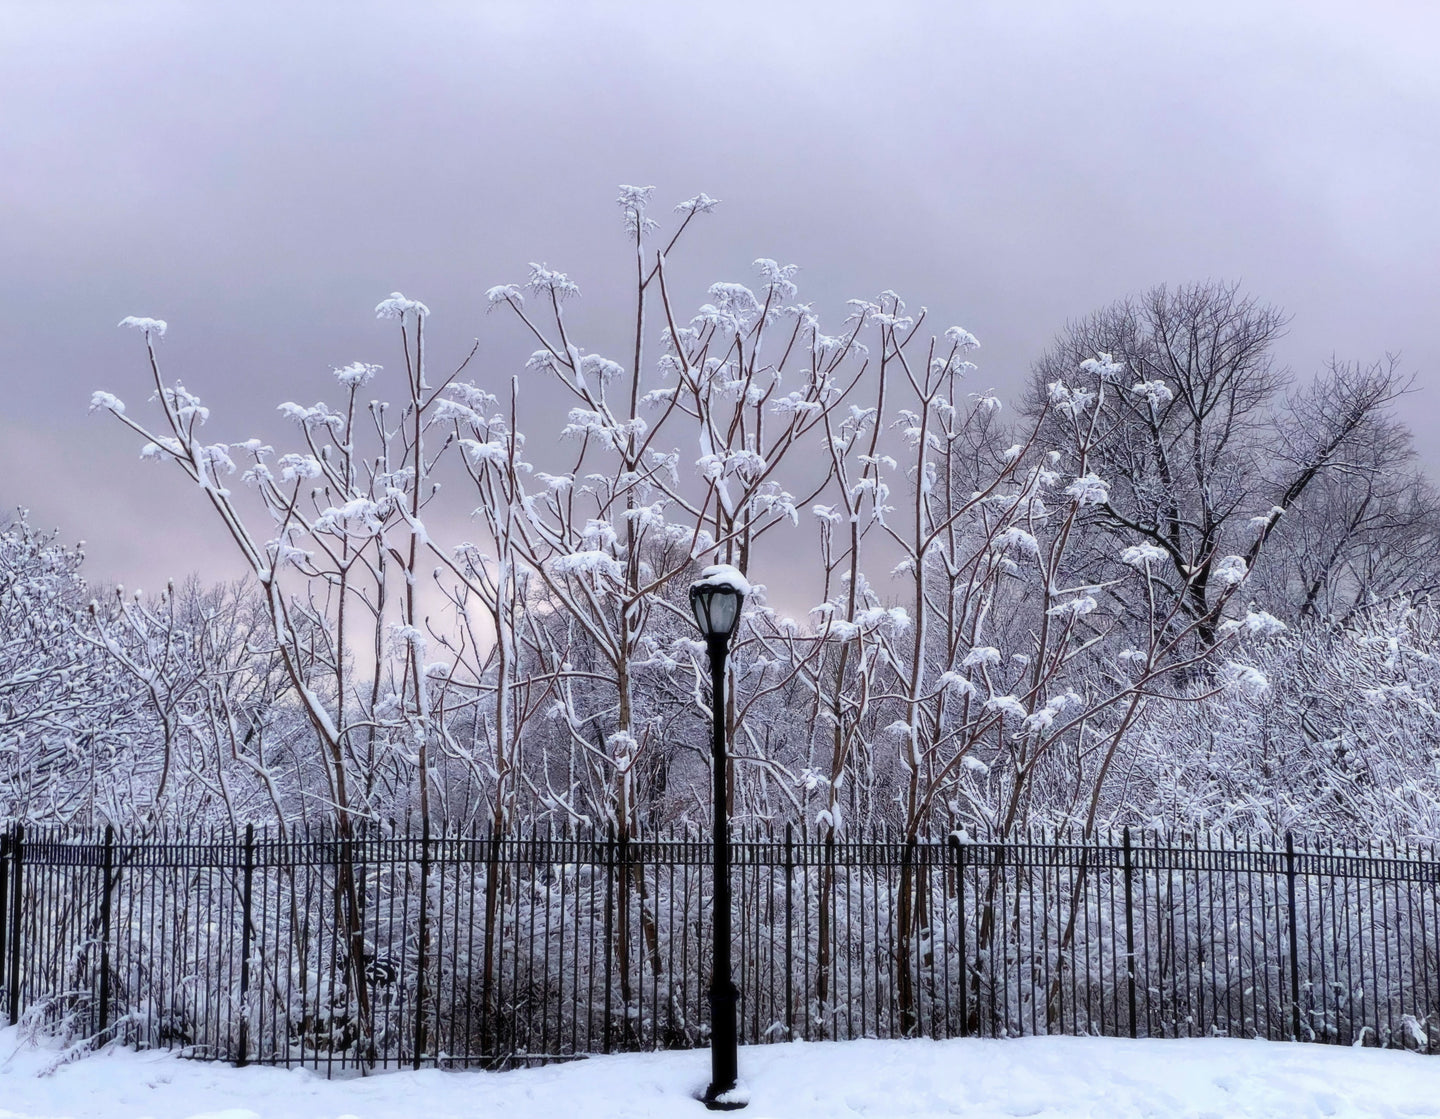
(216, 710)
(1204, 453)
(1366, 531)
(1344, 741)
(67, 711)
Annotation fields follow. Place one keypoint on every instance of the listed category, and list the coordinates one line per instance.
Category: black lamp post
(716, 600)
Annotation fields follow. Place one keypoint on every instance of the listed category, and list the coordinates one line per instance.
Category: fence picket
(106, 888)
(5, 841)
(1294, 937)
(17, 895)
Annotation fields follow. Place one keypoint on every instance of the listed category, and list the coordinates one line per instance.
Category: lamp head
(716, 598)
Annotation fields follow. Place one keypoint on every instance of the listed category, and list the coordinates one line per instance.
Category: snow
(1256, 623)
(981, 655)
(633, 200)
(956, 681)
(589, 562)
(1007, 705)
(701, 204)
(317, 416)
(961, 338)
(397, 305)
(1141, 554)
(546, 281)
(107, 400)
(295, 467)
(738, 1096)
(1246, 678)
(1103, 367)
(1157, 392)
(1049, 1077)
(357, 373)
(1074, 608)
(1229, 571)
(779, 278)
(505, 293)
(1089, 489)
(724, 575)
(601, 368)
(147, 326)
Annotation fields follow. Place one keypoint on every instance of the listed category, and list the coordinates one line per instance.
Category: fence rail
(385, 950)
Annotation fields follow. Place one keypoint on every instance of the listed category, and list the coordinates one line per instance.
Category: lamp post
(716, 599)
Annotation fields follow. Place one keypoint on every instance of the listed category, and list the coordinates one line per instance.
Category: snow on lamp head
(716, 598)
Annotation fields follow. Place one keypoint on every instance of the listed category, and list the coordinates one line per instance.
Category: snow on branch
(151, 328)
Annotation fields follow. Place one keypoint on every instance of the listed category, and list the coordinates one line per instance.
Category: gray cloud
(261, 175)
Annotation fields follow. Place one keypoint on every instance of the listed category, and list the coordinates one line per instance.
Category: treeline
(1171, 585)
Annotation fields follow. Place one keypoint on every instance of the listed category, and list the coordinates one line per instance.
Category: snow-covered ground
(1050, 1077)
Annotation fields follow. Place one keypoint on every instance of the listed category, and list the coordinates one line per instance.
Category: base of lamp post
(712, 1100)
(724, 1063)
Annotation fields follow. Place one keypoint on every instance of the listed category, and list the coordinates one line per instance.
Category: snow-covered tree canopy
(1012, 611)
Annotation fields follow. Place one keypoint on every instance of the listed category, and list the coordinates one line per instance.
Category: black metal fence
(313, 948)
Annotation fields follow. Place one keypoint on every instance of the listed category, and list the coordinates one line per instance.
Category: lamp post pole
(716, 599)
(724, 1058)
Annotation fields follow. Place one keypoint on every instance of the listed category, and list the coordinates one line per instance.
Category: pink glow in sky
(261, 175)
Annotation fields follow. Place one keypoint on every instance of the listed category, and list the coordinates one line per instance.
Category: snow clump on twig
(1090, 489)
(149, 327)
(396, 306)
(1230, 571)
(1245, 678)
(357, 373)
(1142, 554)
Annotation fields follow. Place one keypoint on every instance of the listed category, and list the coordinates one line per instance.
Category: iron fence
(334, 951)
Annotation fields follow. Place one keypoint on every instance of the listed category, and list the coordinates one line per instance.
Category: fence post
(609, 928)
(246, 900)
(4, 909)
(422, 961)
(17, 881)
(622, 937)
(1294, 939)
(1129, 929)
(957, 850)
(493, 913)
(107, 886)
(789, 932)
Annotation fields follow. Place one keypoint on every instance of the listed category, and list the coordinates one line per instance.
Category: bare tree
(70, 736)
(1366, 528)
(1203, 454)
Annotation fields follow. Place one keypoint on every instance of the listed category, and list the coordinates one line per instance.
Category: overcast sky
(261, 176)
